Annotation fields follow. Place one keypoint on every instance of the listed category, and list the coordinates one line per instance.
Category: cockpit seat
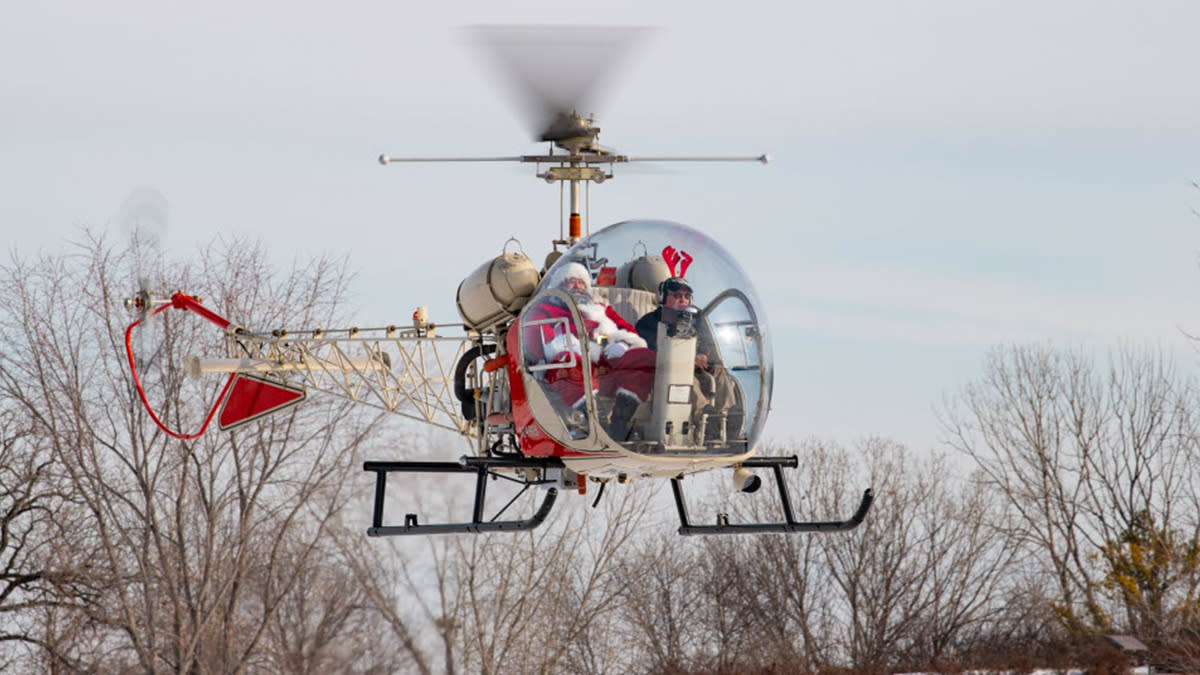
(631, 303)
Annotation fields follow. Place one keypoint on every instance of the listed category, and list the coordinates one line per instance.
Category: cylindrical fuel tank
(497, 290)
(644, 272)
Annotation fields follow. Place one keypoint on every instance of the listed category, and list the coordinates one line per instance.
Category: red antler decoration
(685, 260)
(672, 257)
(681, 258)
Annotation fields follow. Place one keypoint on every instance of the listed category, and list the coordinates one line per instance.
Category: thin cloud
(872, 302)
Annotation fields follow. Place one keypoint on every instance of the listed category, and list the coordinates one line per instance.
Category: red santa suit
(620, 362)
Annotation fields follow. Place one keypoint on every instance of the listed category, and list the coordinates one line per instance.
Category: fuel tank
(497, 290)
(645, 272)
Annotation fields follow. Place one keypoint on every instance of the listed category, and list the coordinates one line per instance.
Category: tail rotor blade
(144, 218)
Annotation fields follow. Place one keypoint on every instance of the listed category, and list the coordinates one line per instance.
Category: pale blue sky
(948, 175)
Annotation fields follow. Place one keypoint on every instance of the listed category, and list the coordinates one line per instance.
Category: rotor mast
(574, 133)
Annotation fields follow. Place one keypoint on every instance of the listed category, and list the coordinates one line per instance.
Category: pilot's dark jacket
(714, 388)
(647, 328)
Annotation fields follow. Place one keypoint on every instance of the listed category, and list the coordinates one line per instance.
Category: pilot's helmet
(673, 284)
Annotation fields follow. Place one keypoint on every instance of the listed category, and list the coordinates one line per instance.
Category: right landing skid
(790, 524)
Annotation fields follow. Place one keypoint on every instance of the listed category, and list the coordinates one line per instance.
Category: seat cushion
(631, 303)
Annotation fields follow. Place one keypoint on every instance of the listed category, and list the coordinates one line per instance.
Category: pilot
(714, 390)
(622, 366)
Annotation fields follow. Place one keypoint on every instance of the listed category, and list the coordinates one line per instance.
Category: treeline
(1065, 508)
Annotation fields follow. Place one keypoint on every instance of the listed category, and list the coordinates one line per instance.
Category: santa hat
(571, 270)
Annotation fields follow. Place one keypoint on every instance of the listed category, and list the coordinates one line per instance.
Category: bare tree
(192, 548)
(34, 512)
(542, 601)
(687, 611)
(531, 600)
(921, 575)
(924, 581)
(1019, 425)
(1098, 471)
(408, 583)
(667, 598)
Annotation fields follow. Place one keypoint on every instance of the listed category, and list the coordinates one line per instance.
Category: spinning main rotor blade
(555, 71)
(581, 159)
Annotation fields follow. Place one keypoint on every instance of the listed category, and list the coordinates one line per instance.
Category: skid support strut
(482, 467)
(790, 523)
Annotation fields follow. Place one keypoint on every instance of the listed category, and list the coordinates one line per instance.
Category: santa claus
(622, 366)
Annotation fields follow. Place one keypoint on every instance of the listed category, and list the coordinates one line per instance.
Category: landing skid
(482, 467)
(790, 524)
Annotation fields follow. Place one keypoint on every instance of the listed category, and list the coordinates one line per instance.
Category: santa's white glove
(560, 345)
(632, 340)
(615, 350)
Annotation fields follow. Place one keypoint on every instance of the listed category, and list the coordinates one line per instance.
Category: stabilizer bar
(790, 524)
(481, 467)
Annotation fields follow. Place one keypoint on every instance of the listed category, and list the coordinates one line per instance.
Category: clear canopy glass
(604, 362)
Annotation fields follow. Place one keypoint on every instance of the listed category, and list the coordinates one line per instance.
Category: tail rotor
(143, 220)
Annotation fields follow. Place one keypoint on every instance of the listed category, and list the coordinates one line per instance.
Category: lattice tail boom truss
(407, 372)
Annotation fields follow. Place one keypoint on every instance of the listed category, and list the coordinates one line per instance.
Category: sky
(947, 176)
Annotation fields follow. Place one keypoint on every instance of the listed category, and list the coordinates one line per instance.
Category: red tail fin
(253, 397)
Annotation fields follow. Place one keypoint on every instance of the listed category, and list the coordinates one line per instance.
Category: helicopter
(555, 383)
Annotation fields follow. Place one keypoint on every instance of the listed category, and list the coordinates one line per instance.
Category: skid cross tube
(790, 524)
(481, 467)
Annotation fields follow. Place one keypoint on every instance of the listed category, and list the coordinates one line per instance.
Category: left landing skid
(790, 524)
(482, 468)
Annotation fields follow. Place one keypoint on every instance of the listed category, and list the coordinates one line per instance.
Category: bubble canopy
(692, 378)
